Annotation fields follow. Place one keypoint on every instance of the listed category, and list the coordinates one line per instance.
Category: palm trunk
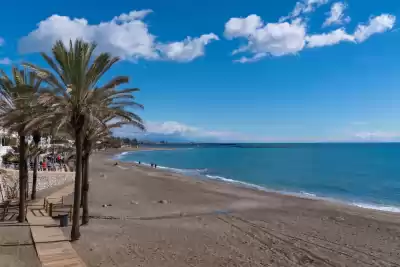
(26, 174)
(36, 138)
(22, 177)
(34, 180)
(85, 194)
(83, 176)
(75, 233)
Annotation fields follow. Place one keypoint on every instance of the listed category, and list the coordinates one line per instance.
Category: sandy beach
(157, 218)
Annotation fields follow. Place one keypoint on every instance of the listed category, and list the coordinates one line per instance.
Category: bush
(10, 158)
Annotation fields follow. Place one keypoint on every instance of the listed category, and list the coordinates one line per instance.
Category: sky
(235, 71)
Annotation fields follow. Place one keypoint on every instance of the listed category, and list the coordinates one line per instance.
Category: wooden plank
(52, 247)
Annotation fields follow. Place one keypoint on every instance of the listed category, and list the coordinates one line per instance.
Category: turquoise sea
(365, 175)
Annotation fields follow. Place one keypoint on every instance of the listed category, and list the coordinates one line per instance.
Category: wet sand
(158, 218)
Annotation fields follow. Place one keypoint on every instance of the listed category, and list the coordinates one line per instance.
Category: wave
(224, 179)
(377, 207)
(196, 172)
(184, 171)
(308, 195)
(204, 173)
(121, 155)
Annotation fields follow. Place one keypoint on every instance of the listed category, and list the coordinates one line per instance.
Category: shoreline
(302, 194)
(153, 217)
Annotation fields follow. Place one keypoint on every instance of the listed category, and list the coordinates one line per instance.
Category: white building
(45, 142)
(3, 148)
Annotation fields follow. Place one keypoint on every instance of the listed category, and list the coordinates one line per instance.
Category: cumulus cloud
(188, 49)
(291, 37)
(336, 15)
(375, 25)
(170, 127)
(126, 35)
(328, 39)
(276, 39)
(180, 131)
(173, 127)
(5, 61)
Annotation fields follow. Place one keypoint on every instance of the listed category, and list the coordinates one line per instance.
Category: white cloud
(328, 39)
(177, 130)
(188, 49)
(254, 58)
(377, 136)
(276, 39)
(133, 15)
(303, 7)
(310, 5)
(126, 35)
(289, 38)
(336, 15)
(173, 127)
(170, 127)
(5, 61)
(375, 25)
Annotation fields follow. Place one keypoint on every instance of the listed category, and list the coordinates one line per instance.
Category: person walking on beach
(44, 165)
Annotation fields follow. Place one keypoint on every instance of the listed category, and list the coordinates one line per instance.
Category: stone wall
(45, 180)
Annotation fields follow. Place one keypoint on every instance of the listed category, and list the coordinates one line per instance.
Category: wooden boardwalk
(52, 247)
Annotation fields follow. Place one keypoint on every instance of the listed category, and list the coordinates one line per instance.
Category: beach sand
(210, 223)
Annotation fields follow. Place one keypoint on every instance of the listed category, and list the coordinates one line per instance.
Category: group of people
(51, 163)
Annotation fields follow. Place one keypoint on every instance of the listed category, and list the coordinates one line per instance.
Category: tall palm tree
(95, 132)
(18, 108)
(36, 136)
(76, 99)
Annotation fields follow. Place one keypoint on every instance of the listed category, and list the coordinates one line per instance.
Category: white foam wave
(215, 177)
(302, 194)
(308, 194)
(121, 155)
(177, 170)
(377, 207)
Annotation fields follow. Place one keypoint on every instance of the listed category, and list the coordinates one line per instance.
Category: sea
(366, 175)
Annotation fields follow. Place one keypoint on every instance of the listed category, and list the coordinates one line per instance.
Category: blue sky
(307, 70)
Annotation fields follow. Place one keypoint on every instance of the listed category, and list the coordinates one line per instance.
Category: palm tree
(36, 135)
(18, 107)
(76, 99)
(97, 132)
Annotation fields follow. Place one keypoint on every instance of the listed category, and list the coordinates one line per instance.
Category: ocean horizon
(360, 174)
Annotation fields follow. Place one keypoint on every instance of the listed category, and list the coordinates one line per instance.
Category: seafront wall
(46, 179)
